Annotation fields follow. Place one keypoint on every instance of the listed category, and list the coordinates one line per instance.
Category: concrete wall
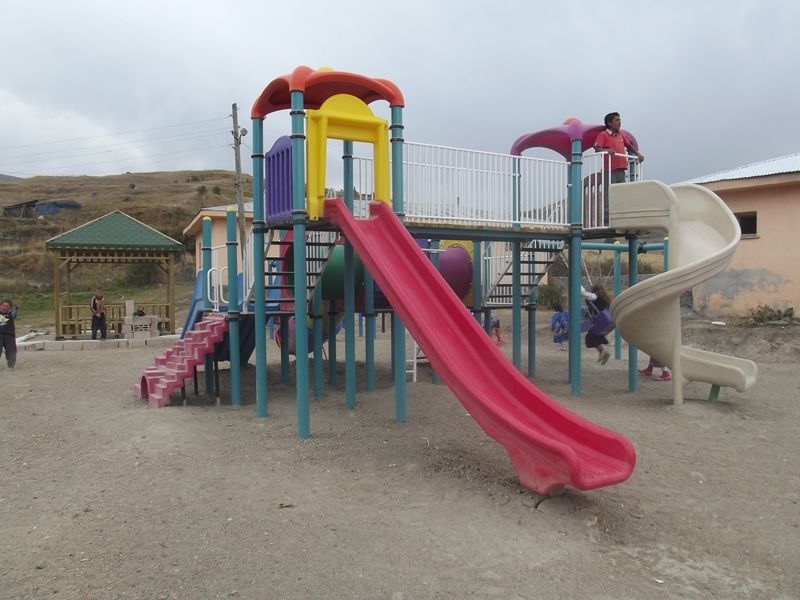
(765, 268)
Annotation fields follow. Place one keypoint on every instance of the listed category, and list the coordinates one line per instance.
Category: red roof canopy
(318, 86)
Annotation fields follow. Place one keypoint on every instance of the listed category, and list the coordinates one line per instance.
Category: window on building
(747, 223)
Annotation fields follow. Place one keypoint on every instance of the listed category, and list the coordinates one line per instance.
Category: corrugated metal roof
(773, 166)
(115, 230)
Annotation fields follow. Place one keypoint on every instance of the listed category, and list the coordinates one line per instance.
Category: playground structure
(518, 213)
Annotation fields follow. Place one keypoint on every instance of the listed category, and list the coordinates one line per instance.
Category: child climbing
(559, 325)
(597, 301)
(648, 370)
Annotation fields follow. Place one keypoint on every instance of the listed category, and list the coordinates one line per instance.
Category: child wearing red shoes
(648, 370)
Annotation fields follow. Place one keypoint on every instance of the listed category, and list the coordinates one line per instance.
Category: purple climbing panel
(278, 190)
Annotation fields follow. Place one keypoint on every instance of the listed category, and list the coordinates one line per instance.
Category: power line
(120, 160)
(105, 148)
(64, 141)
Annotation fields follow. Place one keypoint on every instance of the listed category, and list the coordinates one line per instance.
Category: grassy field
(167, 201)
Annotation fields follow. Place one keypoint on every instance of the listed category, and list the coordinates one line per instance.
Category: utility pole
(238, 134)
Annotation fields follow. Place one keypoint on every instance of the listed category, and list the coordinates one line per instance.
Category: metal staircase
(279, 283)
(536, 258)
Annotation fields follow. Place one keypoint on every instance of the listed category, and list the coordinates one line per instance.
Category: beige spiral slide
(703, 234)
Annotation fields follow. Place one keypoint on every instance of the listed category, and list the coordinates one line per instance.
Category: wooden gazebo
(115, 238)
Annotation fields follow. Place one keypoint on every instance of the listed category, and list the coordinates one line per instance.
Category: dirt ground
(103, 498)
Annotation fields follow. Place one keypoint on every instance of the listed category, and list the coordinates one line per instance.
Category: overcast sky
(102, 87)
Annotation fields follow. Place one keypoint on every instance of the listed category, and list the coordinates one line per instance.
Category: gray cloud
(705, 86)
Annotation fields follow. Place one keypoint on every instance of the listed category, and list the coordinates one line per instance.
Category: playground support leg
(516, 304)
(575, 251)
(633, 278)
(349, 327)
(575, 310)
(317, 333)
(617, 291)
(531, 309)
(233, 310)
(399, 353)
(369, 342)
(398, 329)
(208, 378)
(333, 376)
(435, 260)
(259, 226)
(285, 349)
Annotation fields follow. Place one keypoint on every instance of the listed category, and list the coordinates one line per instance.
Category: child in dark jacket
(8, 335)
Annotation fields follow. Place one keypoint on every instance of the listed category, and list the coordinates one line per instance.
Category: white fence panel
(453, 186)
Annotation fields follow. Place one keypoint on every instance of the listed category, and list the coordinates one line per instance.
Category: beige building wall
(765, 269)
(219, 236)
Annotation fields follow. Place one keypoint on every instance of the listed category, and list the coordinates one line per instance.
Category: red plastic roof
(318, 86)
(560, 139)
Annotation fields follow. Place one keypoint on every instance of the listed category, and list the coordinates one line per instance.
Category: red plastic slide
(549, 446)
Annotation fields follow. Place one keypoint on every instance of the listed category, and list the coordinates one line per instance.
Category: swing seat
(602, 323)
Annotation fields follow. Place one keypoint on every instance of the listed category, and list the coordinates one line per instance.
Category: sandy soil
(103, 498)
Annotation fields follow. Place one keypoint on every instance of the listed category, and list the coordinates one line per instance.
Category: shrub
(143, 275)
(548, 295)
(765, 314)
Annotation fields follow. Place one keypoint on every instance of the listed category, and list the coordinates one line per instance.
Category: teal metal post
(259, 300)
(516, 304)
(369, 340)
(233, 308)
(349, 285)
(477, 288)
(398, 329)
(575, 240)
(617, 290)
(333, 376)
(299, 216)
(208, 363)
(285, 376)
(435, 260)
(633, 278)
(516, 192)
(666, 254)
(532, 333)
(317, 333)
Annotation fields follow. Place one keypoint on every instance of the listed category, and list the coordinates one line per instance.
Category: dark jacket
(7, 323)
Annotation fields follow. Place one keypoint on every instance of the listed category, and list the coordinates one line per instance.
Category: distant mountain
(8, 177)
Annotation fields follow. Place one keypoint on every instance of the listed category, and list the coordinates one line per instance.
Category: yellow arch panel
(344, 117)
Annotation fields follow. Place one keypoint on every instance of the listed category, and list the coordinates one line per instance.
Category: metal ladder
(319, 247)
(536, 259)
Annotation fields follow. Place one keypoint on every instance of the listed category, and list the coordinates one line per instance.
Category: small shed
(115, 238)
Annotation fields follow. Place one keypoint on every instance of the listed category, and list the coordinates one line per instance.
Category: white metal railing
(217, 280)
(470, 187)
(444, 185)
(248, 270)
(595, 187)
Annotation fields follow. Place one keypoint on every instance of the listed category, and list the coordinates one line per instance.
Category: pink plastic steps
(172, 368)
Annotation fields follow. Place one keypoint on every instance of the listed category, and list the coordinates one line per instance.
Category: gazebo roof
(114, 231)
